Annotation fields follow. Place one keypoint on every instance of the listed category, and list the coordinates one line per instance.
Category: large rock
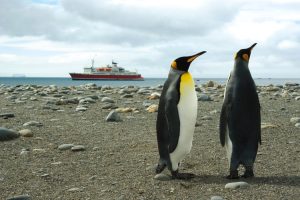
(7, 134)
(210, 84)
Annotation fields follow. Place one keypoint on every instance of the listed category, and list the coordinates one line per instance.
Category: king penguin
(240, 123)
(176, 118)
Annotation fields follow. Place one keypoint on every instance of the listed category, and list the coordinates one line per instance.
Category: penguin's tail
(223, 125)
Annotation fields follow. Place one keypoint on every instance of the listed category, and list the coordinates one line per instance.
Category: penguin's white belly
(228, 146)
(187, 110)
(228, 143)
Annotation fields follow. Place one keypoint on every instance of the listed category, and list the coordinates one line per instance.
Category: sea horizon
(148, 81)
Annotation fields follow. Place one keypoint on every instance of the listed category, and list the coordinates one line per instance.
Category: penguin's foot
(233, 174)
(160, 167)
(248, 173)
(183, 176)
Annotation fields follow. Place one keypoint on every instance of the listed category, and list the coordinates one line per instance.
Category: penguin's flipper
(223, 124)
(259, 125)
(173, 121)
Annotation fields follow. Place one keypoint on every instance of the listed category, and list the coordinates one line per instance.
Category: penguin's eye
(245, 57)
(174, 65)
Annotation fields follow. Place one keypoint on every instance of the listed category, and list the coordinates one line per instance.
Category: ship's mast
(93, 61)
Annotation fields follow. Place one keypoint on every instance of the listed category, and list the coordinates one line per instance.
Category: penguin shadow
(271, 180)
(276, 180)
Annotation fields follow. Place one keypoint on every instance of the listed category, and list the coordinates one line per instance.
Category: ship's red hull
(79, 76)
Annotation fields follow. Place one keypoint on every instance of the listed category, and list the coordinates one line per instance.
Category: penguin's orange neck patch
(174, 65)
(246, 57)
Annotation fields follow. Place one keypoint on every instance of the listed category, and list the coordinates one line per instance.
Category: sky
(50, 38)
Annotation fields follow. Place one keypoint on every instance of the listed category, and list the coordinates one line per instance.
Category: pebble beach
(99, 142)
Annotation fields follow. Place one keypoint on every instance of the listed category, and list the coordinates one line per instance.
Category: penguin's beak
(193, 57)
(253, 45)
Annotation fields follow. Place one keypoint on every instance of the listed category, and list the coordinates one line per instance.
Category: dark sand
(119, 157)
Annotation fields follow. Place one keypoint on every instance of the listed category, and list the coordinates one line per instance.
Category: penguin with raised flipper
(176, 118)
(240, 121)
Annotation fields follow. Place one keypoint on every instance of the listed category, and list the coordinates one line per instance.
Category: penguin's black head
(244, 54)
(183, 63)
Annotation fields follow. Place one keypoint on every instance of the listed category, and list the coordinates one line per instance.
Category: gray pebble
(24, 152)
(127, 96)
(236, 185)
(7, 115)
(78, 148)
(162, 177)
(113, 116)
(26, 133)
(75, 189)
(295, 120)
(80, 109)
(107, 100)
(108, 106)
(216, 198)
(33, 123)
(7, 134)
(65, 146)
(146, 104)
(297, 125)
(122, 197)
(87, 100)
(206, 118)
(20, 197)
(204, 97)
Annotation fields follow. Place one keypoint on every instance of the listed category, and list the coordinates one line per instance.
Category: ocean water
(13, 81)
